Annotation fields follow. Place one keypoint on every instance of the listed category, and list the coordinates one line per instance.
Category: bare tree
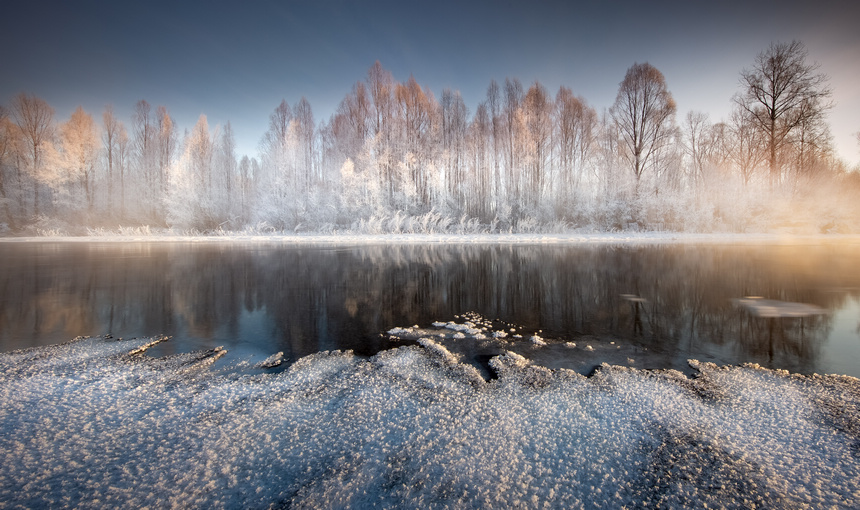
(165, 146)
(780, 93)
(110, 139)
(416, 108)
(493, 106)
(536, 112)
(143, 131)
(200, 146)
(246, 182)
(35, 120)
(350, 126)
(122, 152)
(697, 144)
(226, 167)
(7, 136)
(145, 175)
(812, 144)
(576, 124)
(305, 130)
(479, 149)
(454, 129)
(381, 85)
(511, 107)
(279, 124)
(644, 113)
(80, 143)
(746, 144)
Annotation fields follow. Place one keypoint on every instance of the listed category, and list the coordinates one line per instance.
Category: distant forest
(394, 158)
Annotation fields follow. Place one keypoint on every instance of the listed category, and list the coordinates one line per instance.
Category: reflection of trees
(327, 297)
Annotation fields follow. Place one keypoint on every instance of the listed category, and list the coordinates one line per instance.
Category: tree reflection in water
(264, 298)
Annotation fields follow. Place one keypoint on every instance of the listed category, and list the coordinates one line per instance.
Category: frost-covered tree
(165, 148)
(304, 133)
(416, 108)
(494, 102)
(35, 122)
(576, 124)
(111, 126)
(454, 118)
(380, 84)
(644, 113)
(226, 193)
(700, 145)
(479, 164)
(123, 150)
(195, 200)
(143, 177)
(537, 121)
(288, 166)
(811, 145)
(246, 189)
(80, 144)
(392, 158)
(513, 96)
(7, 143)
(746, 146)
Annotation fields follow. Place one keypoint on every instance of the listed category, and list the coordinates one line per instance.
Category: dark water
(258, 299)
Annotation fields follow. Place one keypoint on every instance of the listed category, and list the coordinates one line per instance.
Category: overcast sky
(236, 60)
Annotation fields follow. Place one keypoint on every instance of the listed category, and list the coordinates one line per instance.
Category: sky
(236, 61)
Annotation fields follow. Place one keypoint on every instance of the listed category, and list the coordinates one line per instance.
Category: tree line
(394, 158)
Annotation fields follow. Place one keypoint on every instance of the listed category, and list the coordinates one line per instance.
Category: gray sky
(236, 61)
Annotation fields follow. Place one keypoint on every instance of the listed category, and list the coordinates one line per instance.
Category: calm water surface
(258, 299)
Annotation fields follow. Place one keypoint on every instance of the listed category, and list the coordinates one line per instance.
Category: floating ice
(771, 308)
(272, 361)
(535, 339)
(399, 331)
(98, 423)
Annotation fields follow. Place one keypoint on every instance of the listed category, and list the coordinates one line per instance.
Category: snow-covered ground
(348, 238)
(96, 422)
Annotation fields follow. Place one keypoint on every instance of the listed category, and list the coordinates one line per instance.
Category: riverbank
(408, 238)
(96, 422)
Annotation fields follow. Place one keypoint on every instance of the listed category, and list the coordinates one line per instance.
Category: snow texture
(272, 361)
(96, 422)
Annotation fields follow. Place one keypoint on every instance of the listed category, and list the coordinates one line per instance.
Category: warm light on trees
(394, 159)
(35, 121)
(80, 145)
(780, 94)
(7, 141)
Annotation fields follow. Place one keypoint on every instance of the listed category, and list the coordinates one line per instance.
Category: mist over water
(259, 299)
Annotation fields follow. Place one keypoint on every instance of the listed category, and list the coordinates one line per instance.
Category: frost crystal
(99, 423)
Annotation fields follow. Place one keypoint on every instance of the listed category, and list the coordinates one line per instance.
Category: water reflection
(261, 298)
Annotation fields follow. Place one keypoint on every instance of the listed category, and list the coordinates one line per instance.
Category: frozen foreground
(97, 422)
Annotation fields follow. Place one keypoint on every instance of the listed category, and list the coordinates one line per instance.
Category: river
(656, 304)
